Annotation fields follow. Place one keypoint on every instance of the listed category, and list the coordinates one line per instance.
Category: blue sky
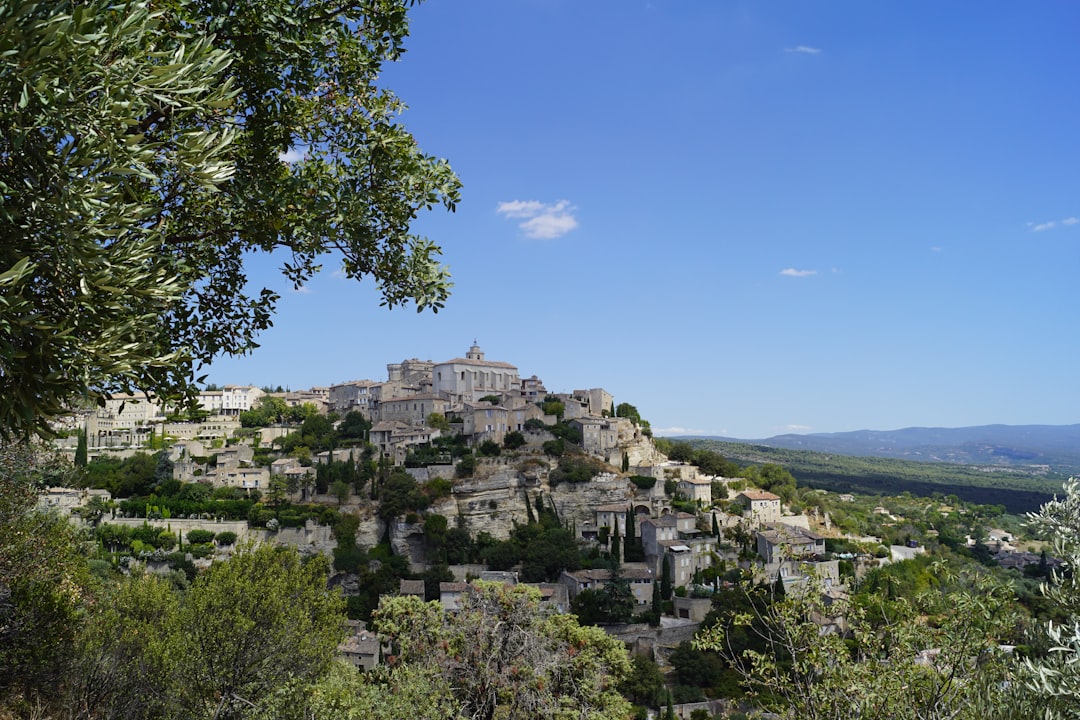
(744, 218)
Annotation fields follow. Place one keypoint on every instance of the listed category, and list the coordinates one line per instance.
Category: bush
(513, 440)
(490, 448)
(554, 448)
(199, 537)
(226, 538)
(643, 482)
(466, 466)
(200, 550)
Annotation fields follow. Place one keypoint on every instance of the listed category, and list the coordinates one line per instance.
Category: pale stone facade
(762, 508)
(354, 395)
(472, 377)
(412, 410)
(698, 489)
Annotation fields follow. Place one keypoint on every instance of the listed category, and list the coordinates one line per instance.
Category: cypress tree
(616, 548)
(715, 527)
(528, 509)
(657, 605)
(665, 579)
(80, 450)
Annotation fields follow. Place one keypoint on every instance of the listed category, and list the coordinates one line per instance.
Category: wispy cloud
(541, 221)
(1051, 224)
(804, 49)
(792, 272)
(797, 428)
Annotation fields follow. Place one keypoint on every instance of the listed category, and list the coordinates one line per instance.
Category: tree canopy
(143, 157)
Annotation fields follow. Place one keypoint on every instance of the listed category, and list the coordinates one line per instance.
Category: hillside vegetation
(1016, 490)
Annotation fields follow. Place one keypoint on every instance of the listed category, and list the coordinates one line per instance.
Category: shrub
(200, 550)
(466, 466)
(199, 537)
(226, 538)
(643, 481)
(513, 440)
(490, 448)
(554, 448)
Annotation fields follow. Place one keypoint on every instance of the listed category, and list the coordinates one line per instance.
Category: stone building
(762, 508)
(473, 377)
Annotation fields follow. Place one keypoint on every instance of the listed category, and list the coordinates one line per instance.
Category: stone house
(533, 390)
(451, 595)
(412, 587)
(785, 542)
(485, 422)
(412, 410)
(676, 537)
(638, 575)
(762, 508)
(363, 649)
(697, 489)
(599, 436)
(353, 395)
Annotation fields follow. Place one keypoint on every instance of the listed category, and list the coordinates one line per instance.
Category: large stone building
(472, 377)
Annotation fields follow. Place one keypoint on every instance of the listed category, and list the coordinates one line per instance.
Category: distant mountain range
(1056, 446)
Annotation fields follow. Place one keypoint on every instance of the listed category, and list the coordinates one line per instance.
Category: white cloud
(520, 208)
(677, 431)
(541, 221)
(1051, 224)
(804, 49)
(792, 272)
(291, 155)
(797, 428)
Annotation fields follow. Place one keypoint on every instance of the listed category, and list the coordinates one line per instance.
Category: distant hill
(1019, 489)
(1006, 446)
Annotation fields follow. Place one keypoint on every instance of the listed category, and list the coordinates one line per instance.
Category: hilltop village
(448, 473)
(500, 447)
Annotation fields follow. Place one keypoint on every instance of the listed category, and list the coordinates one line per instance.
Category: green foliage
(644, 685)
(438, 421)
(627, 410)
(801, 671)
(513, 440)
(225, 538)
(554, 448)
(504, 658)
(1017, 491)
(612, 603)
(466, 466)
(1054, 678)
(644, 482)
(554, 407)
(43, 580)
(575, 469)
(145, 146)
(201, 536)
(132, 476)
(489, 448)
(400, 494)
(246, 627)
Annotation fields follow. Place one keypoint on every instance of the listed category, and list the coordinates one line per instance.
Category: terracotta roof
(478, 363)
(412, 587)
(759, 495)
